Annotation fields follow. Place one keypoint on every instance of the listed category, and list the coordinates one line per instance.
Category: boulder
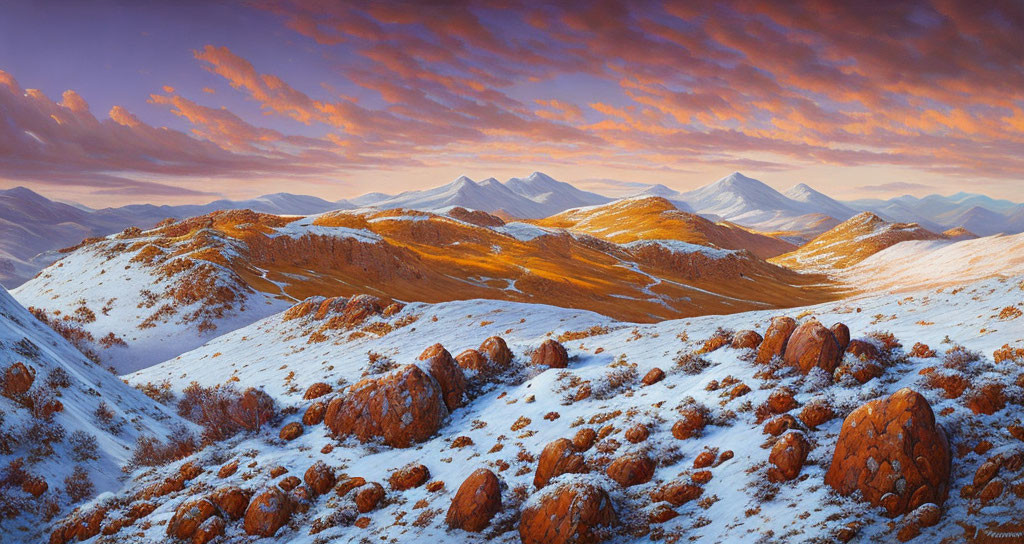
(816, 412)
(228, 469)
(314, 414)
(788, 456)
(189, 516)
(291, 431)
(812, 345)
(676, 492)
(775, 339)
(476, 502)
(368, 496)
(842, 334)
(409, 476)
(690, 424)
(319, 478)
(654, 376)
(550, 354)
(637, 433)
(440, 364)
(231, 500)
(472, 359)
(894, 453)
(267, 512)
(403, 407)
(497, 352)
(780, 424)
(631, 469)
(289, 483)
(17, 380)
(317, 390)
(584, 439)
(572, 512)
(210, 529)
(557, 458)
(746, 340)
(865, 351)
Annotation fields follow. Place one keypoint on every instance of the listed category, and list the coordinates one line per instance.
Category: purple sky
(117, 102)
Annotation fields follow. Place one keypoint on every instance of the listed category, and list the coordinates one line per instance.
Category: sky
(116, 102)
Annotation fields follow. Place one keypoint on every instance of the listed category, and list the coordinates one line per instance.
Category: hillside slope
(168, 290)
(60, 413)
(852, 241)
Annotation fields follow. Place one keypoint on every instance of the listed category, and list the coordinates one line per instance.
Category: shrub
(691, 363)
(150, 451)
(160, 392)
(222, 411)
(40, 436)
(58, 378)
(83, 446)
(78, 486)
(107, 419)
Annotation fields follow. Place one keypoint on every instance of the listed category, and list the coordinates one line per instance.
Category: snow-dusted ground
(24, 339)
(277, 354)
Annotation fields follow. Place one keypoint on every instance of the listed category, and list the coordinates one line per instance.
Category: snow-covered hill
(60, 414)
(508, 422)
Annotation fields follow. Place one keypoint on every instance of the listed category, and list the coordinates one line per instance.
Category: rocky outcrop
(550, 354)
(572, 511)
(402, 408)
(812, 345)
(559, 457)
(842, 335)
(231, 500)
(189, 516)
(775, 339)
(440, 364)
(893, 452)
(476, 502)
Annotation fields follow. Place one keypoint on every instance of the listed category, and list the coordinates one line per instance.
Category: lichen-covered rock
(775, 339)
(409, 476)
(584, 439)
(559, 457)
(677, 492)
(746, 340)
(573, 511)
(403, 407)
(816, 412)
(631, 469)
(267, 512)
(788, 456)
(550, 354)
(780, 424)
(440, 364)
(472, 359)
(864, 351)
(894, 453)
(637, 433)
(476, 502)
(319, 478)
(189, 516)
(812, 345)
(209, 530)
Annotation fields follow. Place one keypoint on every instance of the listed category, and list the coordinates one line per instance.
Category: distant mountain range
(33, 227)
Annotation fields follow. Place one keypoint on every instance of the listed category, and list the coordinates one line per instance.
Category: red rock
(444, 369)
(368, 497)
(816, 412)
(631, 469)
(289, 483)
(746, 340)
(584, 439)
(34, 485)
(724, 456)
(291, 431)
(842, 334)
(228, 469)
(992, 490)
(209, 530)
(231, 500)
(317, 390)
(704, 459)
(575, 512)
(690, 424)
(677, 493)
(660, 513)
(476, 502)
(140, 509)
(497, 352)
(409, 476)
(894, 453)
(986, 471)
(189, 516)
(268, 512)
(701, 477)
(987, 399)
(922, 351)
(863, 371)
(865, 351)
(775, 339)
(403, 407)
(925, 515)
(314, 414)
(348, 484)
(780, 424)
(277, 471)
(812, 345)
(86, 524)
(788, 456)
(472, 359)
(637, 433)
(550, 354)
(559, 457)
(654, 376)
(17, 380)
(319, 478)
